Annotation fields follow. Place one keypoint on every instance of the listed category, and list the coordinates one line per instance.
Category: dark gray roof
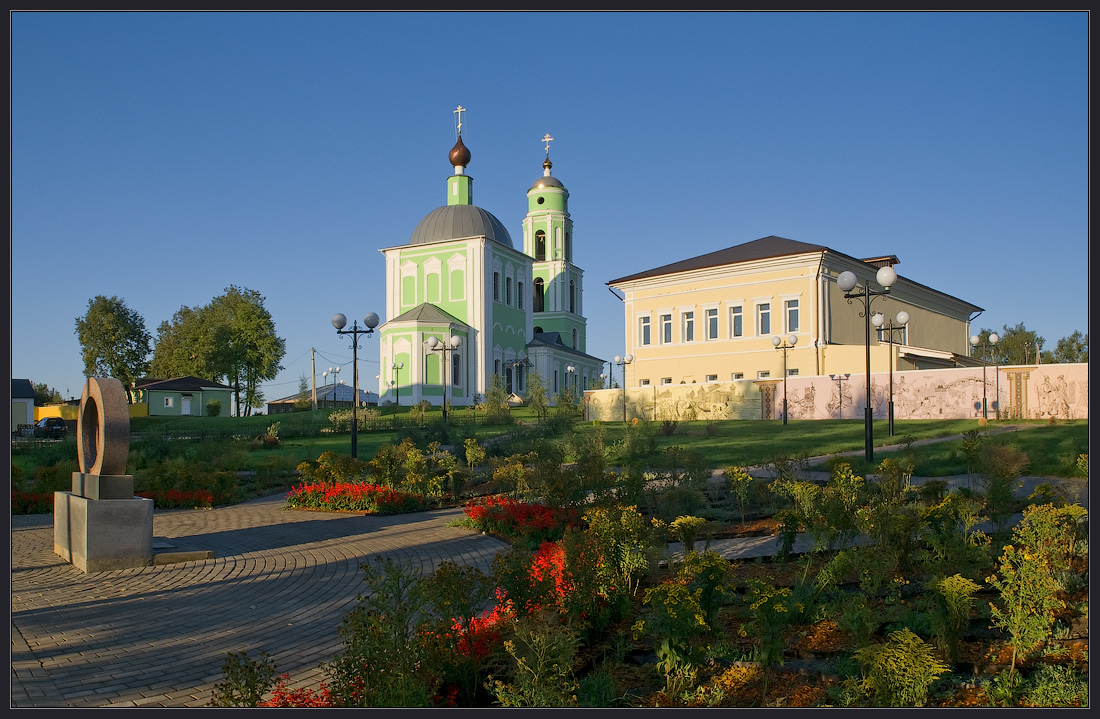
(179, 384)
(427, 312)
(553, 339)
(763, 248)
(22, 389)
(452, 222)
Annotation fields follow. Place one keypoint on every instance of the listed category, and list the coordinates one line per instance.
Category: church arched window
(540, 246)
(539, 295)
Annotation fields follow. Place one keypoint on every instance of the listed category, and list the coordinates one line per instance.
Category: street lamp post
(779, 344)
(519, 363)
(840, 392)
(976, 340)
(397, 366)
(623, 362)
(324, 385)
(878, 321)
(435, 345)
(571, 372)
(847, 281)
(339, 321)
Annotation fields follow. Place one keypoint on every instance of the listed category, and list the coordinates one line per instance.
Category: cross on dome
(459, 112)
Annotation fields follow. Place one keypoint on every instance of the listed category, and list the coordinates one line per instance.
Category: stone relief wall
(1028, 392)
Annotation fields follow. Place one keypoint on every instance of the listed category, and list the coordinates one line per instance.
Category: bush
(899, 672)
(214, 408)
(1051, 685)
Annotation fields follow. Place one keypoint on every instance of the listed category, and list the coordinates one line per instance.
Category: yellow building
(712, 318)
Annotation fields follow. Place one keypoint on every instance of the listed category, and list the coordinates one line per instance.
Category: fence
(1010, 392)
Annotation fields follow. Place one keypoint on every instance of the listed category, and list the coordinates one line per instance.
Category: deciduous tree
(232, 339)
(1074, 348)
(113, 341)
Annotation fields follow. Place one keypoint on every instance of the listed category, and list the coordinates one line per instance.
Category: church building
(463, 303)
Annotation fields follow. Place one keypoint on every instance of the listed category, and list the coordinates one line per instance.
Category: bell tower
(548, 238)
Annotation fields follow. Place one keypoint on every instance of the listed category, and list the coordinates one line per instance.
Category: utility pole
(313, 371)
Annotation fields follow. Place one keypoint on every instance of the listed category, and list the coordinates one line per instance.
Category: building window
(496, 366)
(712, 323)
(791, 309)
(764, 318)
(666, 329)
(519, 295)
(539, 295)
(540, 246)
(496, 286)
(792, 372)
(456, 369)
(763, 375)
(643, 330)
(167, 401)
(899, 337)
(737, 375)
(666, 380)
(688, 326)
(568, 247)
(572, 296)
(712, 378)
(508, 290)
(737, 326)
(643, 383)
(555, 381)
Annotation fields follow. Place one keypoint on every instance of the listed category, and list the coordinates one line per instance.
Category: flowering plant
(530, 523)
(354, 497)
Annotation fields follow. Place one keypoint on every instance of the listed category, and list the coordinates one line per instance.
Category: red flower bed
(31, 502)
(305, 697)
(354, 497)
(529, 521)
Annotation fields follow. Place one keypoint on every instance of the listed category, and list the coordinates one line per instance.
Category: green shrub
(899, 672)
(686, 529)
(952, 603)
(245, 681)
(214, 408)
(1051, 685)
(540, 673)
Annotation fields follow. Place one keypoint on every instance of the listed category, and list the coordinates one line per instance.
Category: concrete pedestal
(98, 535)
(103, 486)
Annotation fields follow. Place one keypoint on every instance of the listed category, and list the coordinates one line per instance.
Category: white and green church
(463, 303)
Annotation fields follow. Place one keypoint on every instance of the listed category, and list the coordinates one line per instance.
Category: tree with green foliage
(497, 409)
(1016, 345)
(304, 402)
(537, 399)
(113, 341)
(44, 395)
(1074, 348)
(232, 339)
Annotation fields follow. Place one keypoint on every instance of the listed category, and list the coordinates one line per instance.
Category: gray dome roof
(547, 181)
(454, 221)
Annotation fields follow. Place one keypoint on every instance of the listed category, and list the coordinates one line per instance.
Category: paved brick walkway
(280, 582)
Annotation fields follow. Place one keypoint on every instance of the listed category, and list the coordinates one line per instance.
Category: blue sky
(162, 157)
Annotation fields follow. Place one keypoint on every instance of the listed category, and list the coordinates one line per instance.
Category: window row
(507, 296)
(711, 328)
(538, 295)
(540, 246)
(762, 374)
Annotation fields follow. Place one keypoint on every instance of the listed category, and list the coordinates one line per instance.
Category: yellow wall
(72, 412)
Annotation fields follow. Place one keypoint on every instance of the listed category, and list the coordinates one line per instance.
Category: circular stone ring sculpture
(103, 427)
